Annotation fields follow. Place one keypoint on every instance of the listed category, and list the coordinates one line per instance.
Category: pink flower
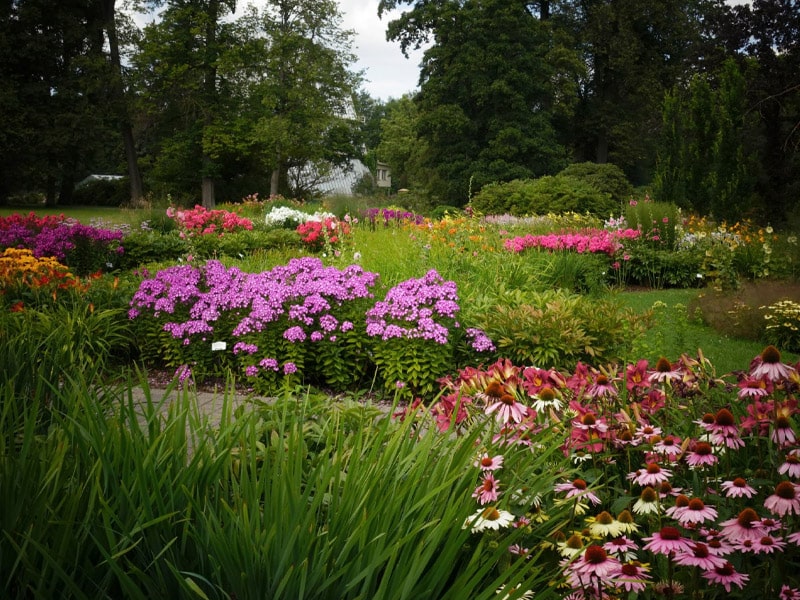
(726, 576)
(487, 491)
(791, 465)
(785, 500)
(746, 526)
(701, 456)
(764, 545)
(630, 576)
(768, 365)
(696, 512)
(652, 475)
(507, 409)
(489, 463)
(699, 556)
(577, 489)
(595, 562)
(738, 488)
(669, 539)
(664, 372)
(622, 547)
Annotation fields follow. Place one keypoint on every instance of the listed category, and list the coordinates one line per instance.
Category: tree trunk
(118, 95)
(274, 182)
(208, 193)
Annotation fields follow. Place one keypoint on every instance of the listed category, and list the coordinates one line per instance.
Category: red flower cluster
(202, 221)
(314, 233)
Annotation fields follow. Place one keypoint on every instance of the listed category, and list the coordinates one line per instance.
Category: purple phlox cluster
(303, 292)
(411, 308)
(390, 215)
(593, 241)
(242, 347)
(56, 239)
(479, 341)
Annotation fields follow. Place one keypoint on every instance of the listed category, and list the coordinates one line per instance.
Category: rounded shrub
(606, 178)
(551, 194)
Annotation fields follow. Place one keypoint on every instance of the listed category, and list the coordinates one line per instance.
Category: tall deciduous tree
(307, 120)
(488, 87)
(181, 93)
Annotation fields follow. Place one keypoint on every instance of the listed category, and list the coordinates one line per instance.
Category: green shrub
(443, 210)
(658, 269)
(143, 247)
(606, 178)
(103, 193)
(551, 194)
(557, 329)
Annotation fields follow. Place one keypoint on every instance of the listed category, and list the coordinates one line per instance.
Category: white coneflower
(488, 518)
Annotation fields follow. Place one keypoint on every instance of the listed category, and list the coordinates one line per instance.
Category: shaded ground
(739, 313)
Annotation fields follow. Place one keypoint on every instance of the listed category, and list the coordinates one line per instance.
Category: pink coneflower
(724, 423)
(577, 489)
(681, 504)
(595, 562)
(766, 544)
(669, 539)
(706, 421)
(783, 434)
(697, 512)
(718, 546)
(701, 456)
(487, 491)
(665, 490)
(794, 538)
(489, 463)
(699, 556)
(791, 465)
(752, 387)
(738, 488)
(602, 387)
(507, 409)
(651, 475)
(669, 446)
(726, 575)
(789, 593)
(646, 433)
(768, 365)
(631, 576)
(664, 372)
(785, 500)
(622, 547)
(746, 526)
(591, 423)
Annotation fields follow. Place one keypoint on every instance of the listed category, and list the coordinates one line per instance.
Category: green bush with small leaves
(606, 178)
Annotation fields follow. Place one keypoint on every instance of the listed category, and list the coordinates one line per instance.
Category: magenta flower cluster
(388, 216)
(54, 236)
(591, 240)
(411, 310)
(303, 293)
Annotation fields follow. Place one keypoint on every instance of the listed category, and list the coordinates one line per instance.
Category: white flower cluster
(280, 216)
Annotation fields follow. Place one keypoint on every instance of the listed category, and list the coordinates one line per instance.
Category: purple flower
(269, 363)
(251, 371)
(289, 368)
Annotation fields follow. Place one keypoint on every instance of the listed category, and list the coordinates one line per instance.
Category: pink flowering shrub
(202, 221)
(594, 241)
(679, 482)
